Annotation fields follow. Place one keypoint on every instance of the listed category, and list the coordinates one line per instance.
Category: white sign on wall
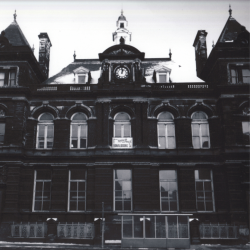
(122, 142)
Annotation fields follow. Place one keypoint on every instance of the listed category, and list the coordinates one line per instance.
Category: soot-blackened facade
(169, 159)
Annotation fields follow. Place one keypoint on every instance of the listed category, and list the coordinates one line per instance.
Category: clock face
(121, 73)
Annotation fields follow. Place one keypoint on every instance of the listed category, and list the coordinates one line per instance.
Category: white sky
(156, 26)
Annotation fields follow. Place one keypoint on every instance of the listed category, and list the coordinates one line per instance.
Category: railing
(163, 86)
(218, 231)
(76, 231)
(198, 86)
(29, 230)
(48, 89)
(81, 88)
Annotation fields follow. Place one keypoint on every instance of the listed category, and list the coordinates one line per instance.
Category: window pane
(126, 185)
(77, 174)
(150, 226)
(46, 116)
(170, 130)
(118, 185)
(118, 195)
(73, 186)
(2, 76)
(38, 205)
(2, 132)
(50, 143)
(196, 142)
(83, 143)
(165, 116)
(127, 195)
(246, 75)
(164, 205)
(207, 185)
(162, 142)
(204, 174)
(173, 206)
(118, 130)
(118, 205)
(122, 174)
(195, 129)
(171, 142)
(245, 128)
(41, 129)
(79, 117)
(204, 130)
(43, 175)
(164, 186)
(81, 79)
(127, 129)
(160, 227)
(209, 206)
(200, 195)
(199, 115)
(127, 205)
(172, 227)
(74, 130)
(200, 206)
(162, 78)
(50, 132)
(205, 142)
(199, 186)
(208, 196)
(81, 205)
(172, 186)
(138, 226)
(83, 131)
(72, 205)
(122, 117)
(81, 186)
(73, 143)
(127, 226)
(161, 130)
(168, 174)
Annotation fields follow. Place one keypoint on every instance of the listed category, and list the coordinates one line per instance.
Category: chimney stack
(44, 53)
(200, 51)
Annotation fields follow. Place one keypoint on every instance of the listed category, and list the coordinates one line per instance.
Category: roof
(121, 17)
(15, 35)
(67, 76)
(231, 31)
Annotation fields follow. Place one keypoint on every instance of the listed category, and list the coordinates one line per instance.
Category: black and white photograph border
(131, 131)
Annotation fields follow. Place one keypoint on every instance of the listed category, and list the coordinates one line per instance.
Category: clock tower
(121, 31)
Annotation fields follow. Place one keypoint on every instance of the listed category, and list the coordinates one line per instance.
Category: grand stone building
(167, 161)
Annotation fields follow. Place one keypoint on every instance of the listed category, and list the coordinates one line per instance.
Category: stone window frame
(69, 190)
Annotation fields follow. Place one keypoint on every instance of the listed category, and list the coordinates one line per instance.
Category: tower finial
(170, 54)
(15, 15)
(230, 10)
(74, 55)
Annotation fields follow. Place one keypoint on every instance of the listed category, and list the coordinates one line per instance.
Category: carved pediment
(121, 52)
(81, 70)
(163, 69)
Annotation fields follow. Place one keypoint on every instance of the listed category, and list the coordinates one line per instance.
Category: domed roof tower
(121, 31)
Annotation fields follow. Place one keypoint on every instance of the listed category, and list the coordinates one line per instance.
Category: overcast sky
(156, 26)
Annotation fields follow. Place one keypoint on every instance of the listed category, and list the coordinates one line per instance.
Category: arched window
(200, 130)
(122, 131)
(246, 126)
(78, 131)
(166, 131)
(45, 131)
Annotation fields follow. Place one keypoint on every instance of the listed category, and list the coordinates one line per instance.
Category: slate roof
(66, 75)
(15, 35)
(231, 31)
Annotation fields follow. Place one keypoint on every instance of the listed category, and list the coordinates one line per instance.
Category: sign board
(122, 142)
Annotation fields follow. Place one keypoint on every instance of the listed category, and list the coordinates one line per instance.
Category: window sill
(78, 148)
(44, 149)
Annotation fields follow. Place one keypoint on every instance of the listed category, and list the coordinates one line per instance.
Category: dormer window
(7, 77)
(162, 74)
(162, 78)
(240, 74)
(81, 75)
(81, 79)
